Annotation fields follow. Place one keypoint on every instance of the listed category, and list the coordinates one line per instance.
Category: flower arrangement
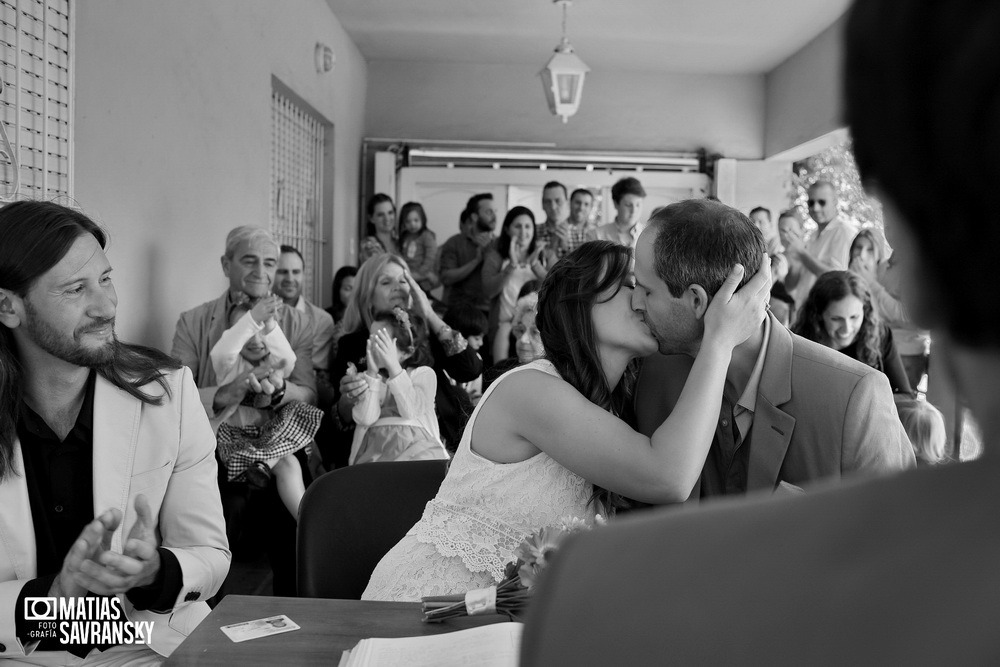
(510, 597)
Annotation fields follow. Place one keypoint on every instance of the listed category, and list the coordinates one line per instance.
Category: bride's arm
(553, 417)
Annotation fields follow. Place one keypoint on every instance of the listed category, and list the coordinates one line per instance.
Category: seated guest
(255, 439)
(107, 461)
(343, 285)
(809, 412)
(513, 260)
(627, 195)
(838, 313)
(471, 323)
(418, 245)
(563, 409)
(395, 416)
(912, 341)
(250, 260)
(384, 283)
(288, 285)
(380, 230)
(924, 425)
(899, 570)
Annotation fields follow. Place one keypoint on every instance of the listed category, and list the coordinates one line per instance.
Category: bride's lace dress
(481, 514)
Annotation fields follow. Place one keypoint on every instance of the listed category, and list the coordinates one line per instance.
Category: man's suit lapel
(116, 435)
(218, 322)
(772, 428)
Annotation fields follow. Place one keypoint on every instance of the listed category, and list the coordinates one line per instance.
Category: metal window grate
(297, 138)
(36, 104)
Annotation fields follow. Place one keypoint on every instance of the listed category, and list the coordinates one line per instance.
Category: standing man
(579, 229)
(107, 461)
(901, 570)
(553, 233)
(829, 247)
(461, 257)
(249, 262)
(792, 411)
(288, 285)
(627, 195)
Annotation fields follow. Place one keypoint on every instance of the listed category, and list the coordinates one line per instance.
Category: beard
(69, 348)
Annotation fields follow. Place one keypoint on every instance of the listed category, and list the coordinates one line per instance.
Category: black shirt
(60, 480)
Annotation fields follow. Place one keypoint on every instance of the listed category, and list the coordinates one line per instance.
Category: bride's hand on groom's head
(735, 314)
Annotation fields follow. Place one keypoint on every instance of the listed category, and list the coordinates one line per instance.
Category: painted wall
(620, 110)
(803, 93)
(173, 136)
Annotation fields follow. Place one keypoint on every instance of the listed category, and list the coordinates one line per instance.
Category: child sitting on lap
(258, 436)
(395, 418)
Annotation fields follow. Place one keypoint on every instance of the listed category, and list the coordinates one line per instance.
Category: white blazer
(165, 452)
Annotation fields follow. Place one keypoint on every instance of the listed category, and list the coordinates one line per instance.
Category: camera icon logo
(40, 609)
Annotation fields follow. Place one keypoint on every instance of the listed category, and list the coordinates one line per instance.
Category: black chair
(349, 518)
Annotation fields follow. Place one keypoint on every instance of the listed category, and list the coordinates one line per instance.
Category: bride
(550, 439)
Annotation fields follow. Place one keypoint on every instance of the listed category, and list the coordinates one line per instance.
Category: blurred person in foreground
(900, 570)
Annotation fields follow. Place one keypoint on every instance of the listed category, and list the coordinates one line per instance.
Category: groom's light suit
(819, 414)
(166, 453)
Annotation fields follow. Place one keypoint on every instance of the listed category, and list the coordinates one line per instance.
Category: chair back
(351, 517)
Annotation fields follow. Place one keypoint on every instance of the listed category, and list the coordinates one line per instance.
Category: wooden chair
(350, 518)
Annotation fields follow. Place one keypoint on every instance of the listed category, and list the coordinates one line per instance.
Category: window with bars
(36, 102)
(297, 159)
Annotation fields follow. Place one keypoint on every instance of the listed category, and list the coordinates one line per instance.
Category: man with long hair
(87, 422)
(895, 571)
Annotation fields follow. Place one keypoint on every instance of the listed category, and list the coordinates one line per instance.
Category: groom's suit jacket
(819, 413)
(165, 452)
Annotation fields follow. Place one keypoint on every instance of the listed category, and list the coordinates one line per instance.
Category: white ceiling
(698, 36)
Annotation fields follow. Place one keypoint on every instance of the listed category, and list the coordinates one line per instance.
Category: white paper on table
(496, 645)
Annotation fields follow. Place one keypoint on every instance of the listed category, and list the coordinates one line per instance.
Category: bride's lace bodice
(480, 515)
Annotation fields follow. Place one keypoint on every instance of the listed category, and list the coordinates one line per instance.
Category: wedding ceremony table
(327, 629)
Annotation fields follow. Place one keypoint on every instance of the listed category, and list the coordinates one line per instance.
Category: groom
(792, 411)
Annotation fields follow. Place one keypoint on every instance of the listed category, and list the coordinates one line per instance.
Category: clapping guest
(838, 313)
(517, 257)
(460, 261)
(418, 245)
(384, 283)
(380, 232)
(395, 415)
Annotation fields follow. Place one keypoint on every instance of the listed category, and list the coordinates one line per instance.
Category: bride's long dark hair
(564, 321)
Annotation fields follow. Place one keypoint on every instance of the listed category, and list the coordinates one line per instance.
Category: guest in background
(471, 323)
(912, 342)
(924, 425)
(384, 283)
(380, 231)
(343, 287)
(395, 415)
(761, 217)
(827, 249)
(838, 313)
(627, 195)
(553, 233)
(418, 245)
(461, 258)
(579, 228)
(790, 229)
(526, 303)
(515, 258)
(288, 279)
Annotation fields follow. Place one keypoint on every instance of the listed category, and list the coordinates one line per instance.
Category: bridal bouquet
(510, 597)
